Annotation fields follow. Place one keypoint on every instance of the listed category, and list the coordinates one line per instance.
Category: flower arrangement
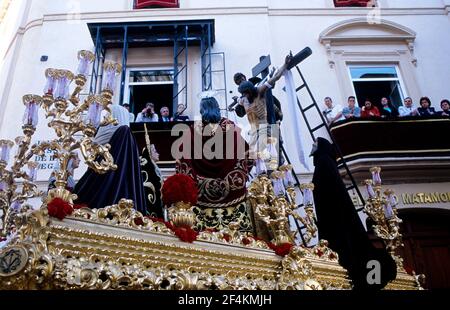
(179, 188)
(281, 249)
(60, 208)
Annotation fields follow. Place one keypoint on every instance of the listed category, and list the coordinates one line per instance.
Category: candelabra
(274, 200)
(67, 118)
(381, 208)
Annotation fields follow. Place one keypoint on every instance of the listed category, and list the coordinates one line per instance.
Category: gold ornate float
(116, 247)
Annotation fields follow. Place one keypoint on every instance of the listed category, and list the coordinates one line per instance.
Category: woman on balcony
(369, 110)
(388, 110)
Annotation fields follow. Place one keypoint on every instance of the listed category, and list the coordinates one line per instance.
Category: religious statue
(220, 166)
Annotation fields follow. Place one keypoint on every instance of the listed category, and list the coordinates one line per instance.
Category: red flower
(320, 253)
(138, 221)
(227, 237)
(169, 226)
(179, 188)
(332, 256)
(59, 208)
(246, 241)
(282, 249)
(186, 234)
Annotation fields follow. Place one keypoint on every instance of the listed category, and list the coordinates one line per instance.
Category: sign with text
(146, 4)
(47, 161)
(425, 198)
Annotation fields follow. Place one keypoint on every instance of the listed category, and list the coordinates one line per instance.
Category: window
(149, 85)
(376, 82)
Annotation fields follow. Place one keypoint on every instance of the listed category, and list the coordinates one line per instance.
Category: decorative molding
(392, 31)
(357, 11)
(388, 31)
(384, 42)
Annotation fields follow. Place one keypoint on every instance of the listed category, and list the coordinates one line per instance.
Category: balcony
(410, 149)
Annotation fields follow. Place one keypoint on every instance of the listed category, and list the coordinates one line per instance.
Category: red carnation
(59, 208)
(179, 188)
(227, 237)
(138, 221)
(282, 249)
(185, 233)
(246, 241)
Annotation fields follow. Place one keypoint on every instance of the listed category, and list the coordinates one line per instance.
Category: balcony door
(153, 85)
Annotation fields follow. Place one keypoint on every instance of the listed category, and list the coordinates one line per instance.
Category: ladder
(342, 164)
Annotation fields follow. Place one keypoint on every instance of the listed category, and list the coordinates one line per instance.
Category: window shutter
(344, 3)
(143, 4)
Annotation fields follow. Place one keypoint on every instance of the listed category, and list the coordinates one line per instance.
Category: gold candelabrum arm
(92, 152)
(381, 207)
(68, 117)
(273, 205)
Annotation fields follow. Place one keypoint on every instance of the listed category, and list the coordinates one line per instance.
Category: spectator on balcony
(425, 107)
(407, 109)
(127, 106)
(179, 114)
(148, 114)
(333, 112)
(164, 115)
(369, 110)
(351, 111)
(387, 110)
(445, 106)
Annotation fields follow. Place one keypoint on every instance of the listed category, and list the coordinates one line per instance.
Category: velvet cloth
(221, 182)
(339, 223)
(101, 190)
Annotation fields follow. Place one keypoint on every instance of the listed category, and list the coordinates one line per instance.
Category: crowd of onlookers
(335, 112)
(148, 114)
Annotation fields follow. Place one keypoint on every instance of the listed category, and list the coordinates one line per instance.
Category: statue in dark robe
(339, 223)
(101, 190)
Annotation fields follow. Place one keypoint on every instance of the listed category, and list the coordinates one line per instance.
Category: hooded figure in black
(338, 223)
(101, 190)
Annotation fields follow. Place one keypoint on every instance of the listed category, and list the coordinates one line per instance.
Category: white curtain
(295, 136)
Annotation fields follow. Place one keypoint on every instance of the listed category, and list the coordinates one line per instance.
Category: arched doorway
(426, 236)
